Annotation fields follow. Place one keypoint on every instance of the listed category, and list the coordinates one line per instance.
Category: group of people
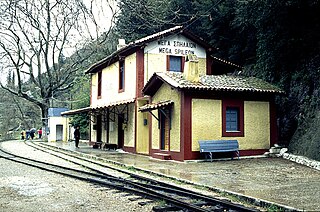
(31, 134)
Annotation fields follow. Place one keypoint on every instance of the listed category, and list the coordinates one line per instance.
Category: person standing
(40, 133)
(32, 131)
(27, 134)
(77, 136)
(23, 134)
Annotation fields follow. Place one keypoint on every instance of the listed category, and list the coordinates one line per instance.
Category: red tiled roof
(216, 83)
(156, 105)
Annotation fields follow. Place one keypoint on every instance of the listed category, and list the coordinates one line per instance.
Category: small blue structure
(56, 111)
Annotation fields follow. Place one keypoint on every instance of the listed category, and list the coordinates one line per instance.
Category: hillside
(274, 40)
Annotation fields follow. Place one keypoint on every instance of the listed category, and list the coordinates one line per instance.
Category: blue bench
(212, 146)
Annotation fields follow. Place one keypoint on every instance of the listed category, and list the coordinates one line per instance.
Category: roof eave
(111, 58)
(152, 85)
(133, 45)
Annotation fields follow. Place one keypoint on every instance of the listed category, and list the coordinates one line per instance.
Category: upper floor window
(175, 63)
(121, 75)
(99, 83)
(232, 118)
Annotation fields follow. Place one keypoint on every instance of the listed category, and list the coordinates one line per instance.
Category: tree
(138, 18)
(42, 43)
(82, 99)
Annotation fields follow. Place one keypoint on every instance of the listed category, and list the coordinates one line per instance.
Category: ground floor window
(232, 118)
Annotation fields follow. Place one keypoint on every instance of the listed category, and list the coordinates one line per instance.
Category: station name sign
(176, 47)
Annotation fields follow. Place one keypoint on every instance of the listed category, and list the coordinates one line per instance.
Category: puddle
(27, 187)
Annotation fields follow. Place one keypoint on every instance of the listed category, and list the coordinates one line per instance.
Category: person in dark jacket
(27, 134)
(77, 136)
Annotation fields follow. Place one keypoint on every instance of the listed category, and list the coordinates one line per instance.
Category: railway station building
(160, 95)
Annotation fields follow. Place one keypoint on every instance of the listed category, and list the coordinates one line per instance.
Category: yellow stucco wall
(207, 124)
(206, 120)
(110, 83)
(128, 131)
(154, 63)
(257, 125)
(165, 93)
(94, 89)
(142, 130)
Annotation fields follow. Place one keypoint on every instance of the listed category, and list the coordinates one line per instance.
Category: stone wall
(299, 159)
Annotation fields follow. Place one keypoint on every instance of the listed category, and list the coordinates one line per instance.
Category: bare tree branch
(41, 41)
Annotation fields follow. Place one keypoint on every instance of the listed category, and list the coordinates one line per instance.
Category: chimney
(191, 68)
(121, 44)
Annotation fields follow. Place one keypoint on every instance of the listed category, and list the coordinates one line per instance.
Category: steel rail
(141, 190)
(164, 186)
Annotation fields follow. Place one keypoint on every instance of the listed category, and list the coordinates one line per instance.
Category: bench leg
(205, 155)
(210, 153)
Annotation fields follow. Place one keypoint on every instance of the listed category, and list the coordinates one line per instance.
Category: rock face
(306, 140)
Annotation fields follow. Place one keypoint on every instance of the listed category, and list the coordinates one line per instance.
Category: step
(162, 156)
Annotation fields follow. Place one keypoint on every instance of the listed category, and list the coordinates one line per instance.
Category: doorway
(120, 131)
(59, 132)
(164, 130)
(99, 128)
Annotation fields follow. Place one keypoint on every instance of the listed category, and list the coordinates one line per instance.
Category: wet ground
(270, 179)
(28, 189)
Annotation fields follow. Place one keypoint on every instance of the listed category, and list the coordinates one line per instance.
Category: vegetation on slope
(277, 41)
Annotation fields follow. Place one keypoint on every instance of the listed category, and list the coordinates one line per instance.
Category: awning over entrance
(112, 109)
(97, 109)
(77, 111)
(113, 104)
(163, 107)
(156, 105)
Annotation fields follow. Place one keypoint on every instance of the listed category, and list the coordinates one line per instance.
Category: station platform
(266, 181)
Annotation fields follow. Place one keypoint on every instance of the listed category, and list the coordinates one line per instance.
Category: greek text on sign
(175, 45)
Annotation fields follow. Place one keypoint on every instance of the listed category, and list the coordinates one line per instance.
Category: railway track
(176, 198)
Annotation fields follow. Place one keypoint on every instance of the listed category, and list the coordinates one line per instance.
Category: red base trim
(252, 152)
(164, 155)
(129, 149)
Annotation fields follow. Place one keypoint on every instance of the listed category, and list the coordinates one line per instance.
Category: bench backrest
(218, 145)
